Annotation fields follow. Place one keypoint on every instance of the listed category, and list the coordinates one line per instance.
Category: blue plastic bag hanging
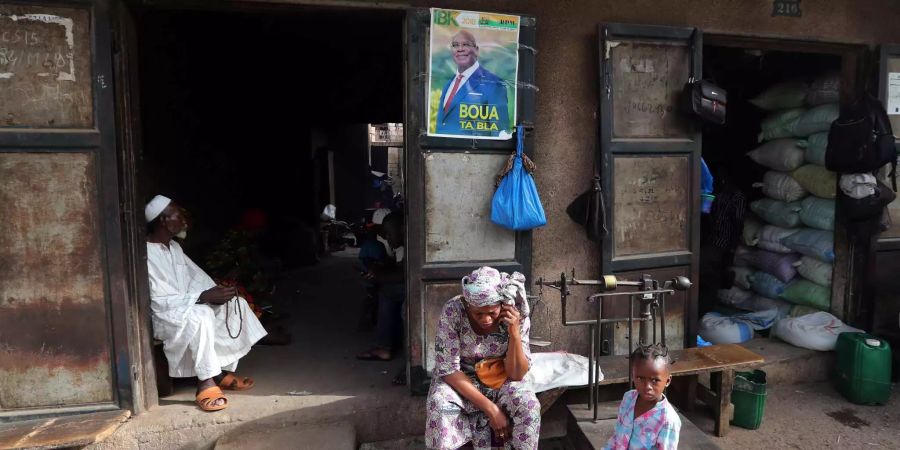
(706, 188)
(516, 204)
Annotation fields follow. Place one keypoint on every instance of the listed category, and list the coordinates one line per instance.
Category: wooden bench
(720, 361)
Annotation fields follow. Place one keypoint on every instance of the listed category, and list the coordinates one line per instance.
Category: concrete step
(407, 443)
(418, 443)
(336, 436)
(586, 434)
(786, 364)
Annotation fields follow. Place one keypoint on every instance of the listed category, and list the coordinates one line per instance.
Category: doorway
(773, 194)
(256, 121)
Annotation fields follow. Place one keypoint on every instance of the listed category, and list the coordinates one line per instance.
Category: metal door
(890, 83)
(881, 284)
(650, 167)
(63, 337)
(450, 186)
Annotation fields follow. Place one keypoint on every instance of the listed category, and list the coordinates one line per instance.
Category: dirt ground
(813, 416)
(315, 379)
(325, 301)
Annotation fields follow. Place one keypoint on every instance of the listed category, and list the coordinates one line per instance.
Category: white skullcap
(379, 215)
(156, 207)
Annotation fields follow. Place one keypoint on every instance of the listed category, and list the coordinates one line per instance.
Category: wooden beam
(62, 432)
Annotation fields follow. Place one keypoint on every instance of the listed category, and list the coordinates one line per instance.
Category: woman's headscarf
(487, 286)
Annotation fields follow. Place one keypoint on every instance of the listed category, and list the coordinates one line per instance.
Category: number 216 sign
(789, 8)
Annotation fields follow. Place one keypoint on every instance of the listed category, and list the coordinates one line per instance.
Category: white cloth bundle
(858, 185)
(553, 370)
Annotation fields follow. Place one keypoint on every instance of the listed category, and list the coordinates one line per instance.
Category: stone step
(786, 364)
(335, 435)
(586, 434)
(407, 443)
(418, 443)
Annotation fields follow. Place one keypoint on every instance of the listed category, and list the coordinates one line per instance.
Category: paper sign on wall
(893, 93)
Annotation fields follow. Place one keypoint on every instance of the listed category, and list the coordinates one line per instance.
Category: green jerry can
(863, 369)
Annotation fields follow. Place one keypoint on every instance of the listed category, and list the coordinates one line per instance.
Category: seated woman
(481, 357)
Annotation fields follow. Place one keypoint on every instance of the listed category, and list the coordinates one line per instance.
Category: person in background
(205, 328)
(646, 419)
(371, 253)
(481, 356)
(391, 279)
(378, 217)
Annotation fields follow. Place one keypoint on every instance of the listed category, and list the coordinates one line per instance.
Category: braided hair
(652, 352)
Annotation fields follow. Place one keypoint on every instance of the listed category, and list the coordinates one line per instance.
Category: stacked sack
(784, 262)
(799, 210)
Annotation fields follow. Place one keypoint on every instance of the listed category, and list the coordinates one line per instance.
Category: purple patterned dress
(453, 420)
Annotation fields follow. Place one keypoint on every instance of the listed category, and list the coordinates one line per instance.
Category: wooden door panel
(646, 76)
(458, 192)
(54, 350)
(649, 166)
(650, 194)
(45, 67)
(450, 186)
(436, 295)
(63, 335)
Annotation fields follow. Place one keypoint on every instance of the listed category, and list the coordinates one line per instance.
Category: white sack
(816, 331)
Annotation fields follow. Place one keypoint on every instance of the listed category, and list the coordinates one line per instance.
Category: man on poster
(473, 102)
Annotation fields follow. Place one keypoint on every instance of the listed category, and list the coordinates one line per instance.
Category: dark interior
(249, 121)
(240, 110)
(743, 73)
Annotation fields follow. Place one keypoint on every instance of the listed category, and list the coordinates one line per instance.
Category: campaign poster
(472, 71)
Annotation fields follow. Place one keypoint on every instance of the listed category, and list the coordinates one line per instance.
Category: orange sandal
(207, 398)
(232, 383)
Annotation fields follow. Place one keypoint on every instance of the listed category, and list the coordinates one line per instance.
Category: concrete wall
(567, 75)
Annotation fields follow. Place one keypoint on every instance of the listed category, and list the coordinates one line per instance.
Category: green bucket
(749, 399)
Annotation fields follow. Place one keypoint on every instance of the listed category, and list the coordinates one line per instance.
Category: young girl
(646, 419)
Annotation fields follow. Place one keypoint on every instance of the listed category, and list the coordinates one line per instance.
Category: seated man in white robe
(205, 328)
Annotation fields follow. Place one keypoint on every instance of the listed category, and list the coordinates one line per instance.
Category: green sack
(779, 124)
(816, 145)
(783, 155)
(805, 292)
(812, 269)
(818, 180)
(817, 213)
(776, 212)
(788, 94)
(816, 120)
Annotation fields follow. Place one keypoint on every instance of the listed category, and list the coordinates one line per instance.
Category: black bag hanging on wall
(706, 100)
(703, 99)
(861, 139)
